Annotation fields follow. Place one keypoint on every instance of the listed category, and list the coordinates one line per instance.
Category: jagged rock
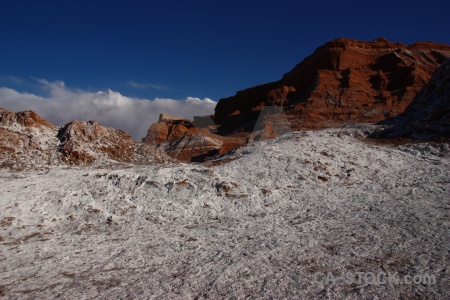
(193, 147)
(189, 140)
(205, 122)
(23, 119)
(188, 143)
(272, 122)
(29, 141)
(428, 115)
(167, 128)
(84, 142)
(26, 140)
(342, 81)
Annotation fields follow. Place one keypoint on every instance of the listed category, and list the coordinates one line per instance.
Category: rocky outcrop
(189, 140)
(428, 115)
(23, 119)
(84, 142)
(28, 140)
(168, 128)
(192, 147)
(342, 81)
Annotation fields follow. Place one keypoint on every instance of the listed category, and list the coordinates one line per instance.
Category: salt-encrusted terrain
(28, 141)
(256, 224)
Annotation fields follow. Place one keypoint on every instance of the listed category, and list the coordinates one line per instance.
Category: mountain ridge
(342, 82)
(29, 141)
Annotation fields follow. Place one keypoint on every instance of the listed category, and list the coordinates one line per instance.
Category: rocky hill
(344, 81)
(27, 141)
(428, 115)
(85, 141)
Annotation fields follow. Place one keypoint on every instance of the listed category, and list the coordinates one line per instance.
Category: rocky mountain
(290, 217)
(344, 81)
(28, 140)
(428, 115)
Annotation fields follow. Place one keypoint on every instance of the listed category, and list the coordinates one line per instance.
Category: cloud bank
(134, 115)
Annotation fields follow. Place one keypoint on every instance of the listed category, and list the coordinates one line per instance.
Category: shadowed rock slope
(342, 81)
(428, 115)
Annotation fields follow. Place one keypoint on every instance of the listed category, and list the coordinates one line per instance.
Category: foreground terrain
(258, 223)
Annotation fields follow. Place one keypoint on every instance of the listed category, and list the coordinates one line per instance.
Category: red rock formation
(168, 128)
(188, 140)
(190, 146)
(342, 81)
(428, 115)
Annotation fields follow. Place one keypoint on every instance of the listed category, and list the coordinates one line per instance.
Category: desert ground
(259, 222)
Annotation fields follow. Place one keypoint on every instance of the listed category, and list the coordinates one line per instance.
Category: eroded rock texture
(428, 115)
(343, 82)
(189, 140)
(84, 142)
(27, 140)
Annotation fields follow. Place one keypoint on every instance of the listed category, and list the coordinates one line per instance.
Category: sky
(74, 59)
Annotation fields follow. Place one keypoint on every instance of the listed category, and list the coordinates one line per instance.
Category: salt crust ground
(258, 226)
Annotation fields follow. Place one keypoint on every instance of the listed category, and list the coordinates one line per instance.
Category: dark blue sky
(179, 48)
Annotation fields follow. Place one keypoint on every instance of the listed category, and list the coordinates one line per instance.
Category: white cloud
(146, 85)
(134, 115)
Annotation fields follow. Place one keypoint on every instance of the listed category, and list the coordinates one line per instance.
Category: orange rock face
(188, 140)
(343, 81)
(428, 115)
(168, 128)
